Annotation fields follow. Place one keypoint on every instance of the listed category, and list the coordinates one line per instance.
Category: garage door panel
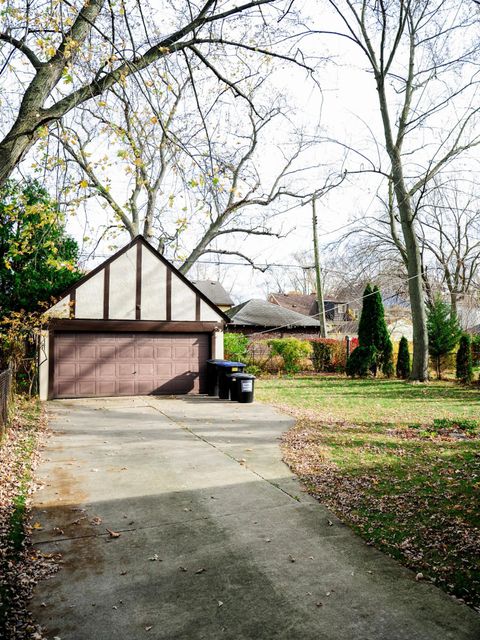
(125, 388)
(67, 370)
(106, 388)
(86, 388)
(86, 370)
(125, 370)
(100, 364)
(107, 369)
(145, 370)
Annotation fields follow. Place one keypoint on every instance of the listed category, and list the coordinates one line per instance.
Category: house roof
(214, 291)
(304, 303)
(266, 314)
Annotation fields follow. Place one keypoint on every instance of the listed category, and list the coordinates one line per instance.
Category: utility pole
(318, 273)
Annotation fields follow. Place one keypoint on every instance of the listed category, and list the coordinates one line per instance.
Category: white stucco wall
(207, 314)
(183, 300)
(43, 366)
(123, 286)
(89, 298)
(217, 345)
(154, 287)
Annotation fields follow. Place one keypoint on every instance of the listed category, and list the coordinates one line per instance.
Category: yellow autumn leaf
(84, 183)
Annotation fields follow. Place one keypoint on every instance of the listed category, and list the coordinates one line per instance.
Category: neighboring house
(254, 316)
(214, 292)
(132, 326)
(306, 304)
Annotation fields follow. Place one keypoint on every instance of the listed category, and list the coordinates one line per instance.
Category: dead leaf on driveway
(95, 521)
(202, 570)
(112, 534)
(291, 558)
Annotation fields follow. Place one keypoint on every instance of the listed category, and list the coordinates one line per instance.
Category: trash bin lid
(229, 363)
(215, 361)
(244, 376)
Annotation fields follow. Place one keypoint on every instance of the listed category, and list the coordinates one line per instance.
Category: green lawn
(410, 490)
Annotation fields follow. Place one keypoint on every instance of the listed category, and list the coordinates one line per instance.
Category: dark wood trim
(51, 356)
(169, 295)
(197, 308)
(73, 303)
(132, 326)
(138, 283)
(106, 292)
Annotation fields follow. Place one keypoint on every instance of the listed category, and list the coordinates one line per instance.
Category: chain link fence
(5, 398)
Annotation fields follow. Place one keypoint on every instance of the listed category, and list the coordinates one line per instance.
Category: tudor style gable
(136, 283)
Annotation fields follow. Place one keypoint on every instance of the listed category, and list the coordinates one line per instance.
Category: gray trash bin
(245, 383)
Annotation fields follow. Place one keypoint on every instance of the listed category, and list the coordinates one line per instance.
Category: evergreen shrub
(403, 359)
(361, 361)
(464, 371)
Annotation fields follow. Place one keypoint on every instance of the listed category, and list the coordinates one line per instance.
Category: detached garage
(133, 326)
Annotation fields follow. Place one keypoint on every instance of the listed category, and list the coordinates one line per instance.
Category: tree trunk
(415, 280)
(14, 147)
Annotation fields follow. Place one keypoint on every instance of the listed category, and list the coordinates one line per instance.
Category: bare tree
(450, 237)
(423, 57)
(76, 51)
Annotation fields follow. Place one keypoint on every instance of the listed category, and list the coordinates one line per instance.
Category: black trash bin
(224, 367)
(212, 377)
(232, 385)
(245, 383)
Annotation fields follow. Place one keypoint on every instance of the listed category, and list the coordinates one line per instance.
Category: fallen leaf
(182, 569)
(112, 534)
(291, 558)
(419, 577)
(95, 521)
(202, 570)
(319, 604)
(37, 526)
(154, 558)
(220, 603)
(148, 628)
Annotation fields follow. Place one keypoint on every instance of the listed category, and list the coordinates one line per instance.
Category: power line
(284, 326)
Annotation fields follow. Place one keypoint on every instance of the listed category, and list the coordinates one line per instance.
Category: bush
(291, 350)
(403, 359)
(322, 354)
(464, 371)
(330, 355)
(254, 370)
(235, 346)
(361, 361)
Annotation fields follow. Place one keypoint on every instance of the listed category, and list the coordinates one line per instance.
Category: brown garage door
(123, 364)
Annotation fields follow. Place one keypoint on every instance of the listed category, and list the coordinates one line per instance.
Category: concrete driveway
(216, 538)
